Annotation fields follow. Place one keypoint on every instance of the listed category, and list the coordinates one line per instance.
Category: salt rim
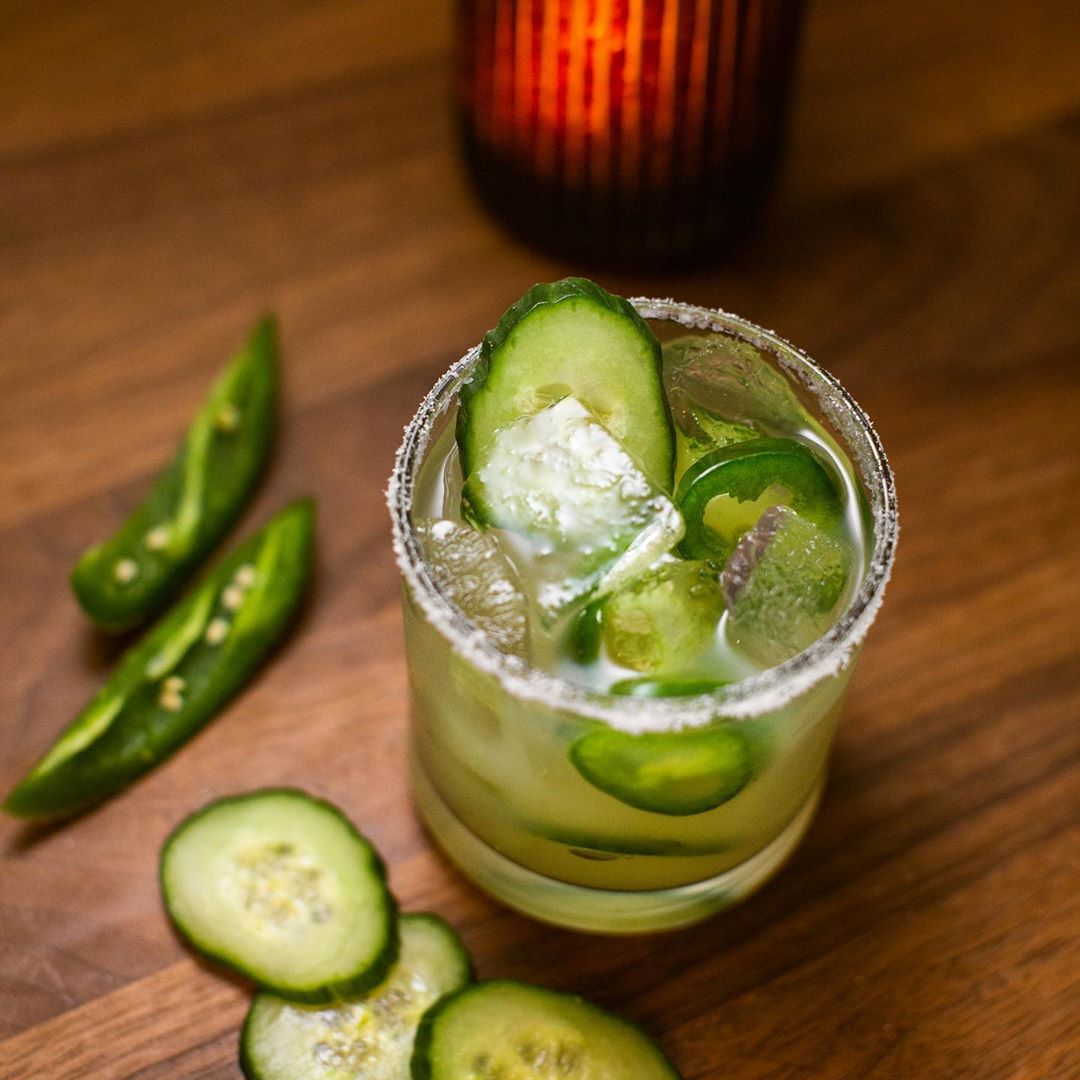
(750, 697)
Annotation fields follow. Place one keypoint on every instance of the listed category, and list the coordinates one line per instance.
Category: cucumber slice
(369, 1036)
(570, 338)
(505, 1030)
(676, 773)
(760, 473)
(281, 887)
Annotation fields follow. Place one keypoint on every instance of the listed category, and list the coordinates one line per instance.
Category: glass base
(600, 910)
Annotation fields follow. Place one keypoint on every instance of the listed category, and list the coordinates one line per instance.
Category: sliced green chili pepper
(675, 773)
(179, 675)
(659, 688)
(126, 579)
(583, 636)
(782, 471)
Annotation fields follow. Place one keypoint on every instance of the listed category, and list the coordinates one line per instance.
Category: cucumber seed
(216, 631)
(281, 884)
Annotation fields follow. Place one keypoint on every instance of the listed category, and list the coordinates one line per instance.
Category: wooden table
(167, 171)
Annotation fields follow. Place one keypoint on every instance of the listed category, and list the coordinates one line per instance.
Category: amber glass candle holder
(630, 132)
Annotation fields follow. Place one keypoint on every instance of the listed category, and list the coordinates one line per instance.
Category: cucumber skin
(421, 1067)
(323, 995)
(117, 609)
(459, 946)
(541, 294)
(247, 1064)
(126, 750)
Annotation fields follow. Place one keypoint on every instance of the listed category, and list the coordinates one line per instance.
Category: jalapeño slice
(660, 688)
(749, 477)
(675, 773)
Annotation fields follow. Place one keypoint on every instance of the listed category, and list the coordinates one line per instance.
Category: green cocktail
(634, 594)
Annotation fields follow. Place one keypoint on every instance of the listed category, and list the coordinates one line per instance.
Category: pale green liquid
(499, 765)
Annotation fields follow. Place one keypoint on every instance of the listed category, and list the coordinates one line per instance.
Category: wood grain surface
(168, 171)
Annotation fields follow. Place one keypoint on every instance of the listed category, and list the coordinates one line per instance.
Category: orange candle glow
(625, 128)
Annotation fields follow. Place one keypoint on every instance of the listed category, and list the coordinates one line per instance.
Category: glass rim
(756, 695)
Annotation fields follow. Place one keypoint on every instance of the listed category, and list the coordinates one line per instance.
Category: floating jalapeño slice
(782, 471)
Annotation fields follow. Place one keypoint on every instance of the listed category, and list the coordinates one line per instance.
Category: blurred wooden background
(168, 171)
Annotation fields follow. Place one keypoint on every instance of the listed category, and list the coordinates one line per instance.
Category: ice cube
(574, 510)
(732, 379)
(784, 584)
(474, 573)
(697, 431)
(662, 621)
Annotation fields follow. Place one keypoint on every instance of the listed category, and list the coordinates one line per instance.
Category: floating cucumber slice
(660, 688)
(505, 1030)
(664, 618)
(768, 471)
(579, 511)
(471, 569)
(368, 1036)
(676, 773)
(570, 338)
(784, 585)
(132, 575)
(281, 887)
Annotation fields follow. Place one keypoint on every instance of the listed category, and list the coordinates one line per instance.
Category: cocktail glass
(492, 774)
